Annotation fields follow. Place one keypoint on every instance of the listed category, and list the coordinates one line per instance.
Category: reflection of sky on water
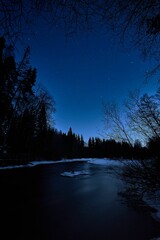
(80, 207)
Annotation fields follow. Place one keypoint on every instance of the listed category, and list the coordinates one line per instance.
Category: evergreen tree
(24, 114)
(70, 138)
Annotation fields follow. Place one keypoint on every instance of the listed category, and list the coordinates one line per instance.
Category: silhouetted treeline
(64, 145)
(26, 121)
(25, 110)
(112, 149)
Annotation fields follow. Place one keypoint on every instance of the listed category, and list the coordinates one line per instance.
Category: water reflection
(51, 206)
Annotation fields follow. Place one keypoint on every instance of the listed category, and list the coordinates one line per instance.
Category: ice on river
(74, 173)
(104, 161)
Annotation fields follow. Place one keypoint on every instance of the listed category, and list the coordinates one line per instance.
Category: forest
(27, 129)
(27, 110)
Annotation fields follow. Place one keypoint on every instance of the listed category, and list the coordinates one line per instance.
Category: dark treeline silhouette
(112, 149)
(61, 145)
(26, 123)
(25, 110)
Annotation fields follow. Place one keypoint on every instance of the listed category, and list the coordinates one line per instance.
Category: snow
(13, 167)
(36, 163)
(44, 162)
(98, 161)
(105, 162)
(30, 164)
(154, 202)
(74, 173)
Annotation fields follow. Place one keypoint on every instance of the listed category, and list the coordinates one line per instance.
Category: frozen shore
(44, 162)
(154, 203)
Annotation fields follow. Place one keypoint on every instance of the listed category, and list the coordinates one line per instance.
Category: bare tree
(140, 118)
(115, 124)
(138, 20)
(144, 115)
(44, 100)
(17, 16)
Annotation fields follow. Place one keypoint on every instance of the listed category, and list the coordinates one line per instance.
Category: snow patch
(44, 162)
(35, 163)
(30, 164)
(106, 162)
(14, 167)
(74, 173)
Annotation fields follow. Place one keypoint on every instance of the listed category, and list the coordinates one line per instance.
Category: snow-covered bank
(43, 162)
(105, 162)
(30, 164)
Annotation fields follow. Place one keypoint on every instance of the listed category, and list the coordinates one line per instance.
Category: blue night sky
(82, 72)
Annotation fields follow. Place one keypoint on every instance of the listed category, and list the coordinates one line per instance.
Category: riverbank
(73, 199)
(11, 163)
(15, 164)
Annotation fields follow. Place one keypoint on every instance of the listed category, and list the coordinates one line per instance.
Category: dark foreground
(38, 203)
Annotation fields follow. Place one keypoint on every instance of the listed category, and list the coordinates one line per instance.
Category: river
(76, 200)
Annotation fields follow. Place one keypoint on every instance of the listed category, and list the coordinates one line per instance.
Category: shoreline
(17, 164)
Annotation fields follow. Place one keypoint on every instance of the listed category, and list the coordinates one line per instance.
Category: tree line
(137, 21)
(139, 117)
(26, 114)
(26, 123)
(27, 129)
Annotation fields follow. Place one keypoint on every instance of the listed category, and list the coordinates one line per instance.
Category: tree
(8, 80)
(25, 114)
(44, 107)
(138, 20)
(17, 82)
(140, 119)
(115, 124)
(144, 115)
(21, 138)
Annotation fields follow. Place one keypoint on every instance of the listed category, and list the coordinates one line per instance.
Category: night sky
(83, 71)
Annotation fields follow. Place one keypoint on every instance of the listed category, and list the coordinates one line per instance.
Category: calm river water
(39, 203)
